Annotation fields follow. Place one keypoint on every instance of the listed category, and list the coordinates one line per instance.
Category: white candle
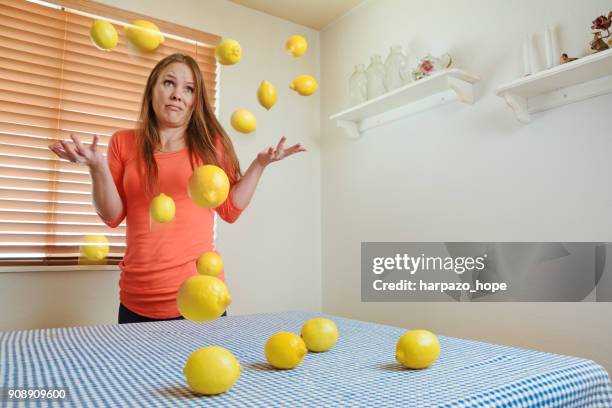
(556, 51)
(548, 47)
(534, 59)
(526, 56)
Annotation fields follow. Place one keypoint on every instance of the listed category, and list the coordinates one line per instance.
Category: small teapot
(430, 64)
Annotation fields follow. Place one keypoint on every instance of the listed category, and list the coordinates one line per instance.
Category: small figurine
(565, 59)
(598, 44)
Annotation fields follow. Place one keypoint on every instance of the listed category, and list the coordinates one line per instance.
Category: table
(141, 365)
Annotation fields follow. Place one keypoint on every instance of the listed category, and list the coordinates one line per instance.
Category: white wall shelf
(571, 82)
(440, 87)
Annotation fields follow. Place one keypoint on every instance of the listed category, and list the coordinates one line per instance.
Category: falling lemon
(304, 85)
(201, 298)
(103, 35)
(243, 121)
(417, 349)
(319, 334)
(296, 45)
(162, 208)
(228, 52)
(144, 35)
(95, 248)
(211, 370)
(210, 263)
(266, 94)
(285, 350)
(208, 186)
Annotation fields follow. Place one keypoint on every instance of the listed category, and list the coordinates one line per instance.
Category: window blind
(54, 82)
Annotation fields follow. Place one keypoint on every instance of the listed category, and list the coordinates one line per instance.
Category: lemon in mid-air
(210, 263)
(285, 350)
(211, 370)
(243, 121)
(202, 298)
(144, 35)
(162, 208)
(296, 45)
(320, 334)
(417, 349)
(103, 35)
(228, 52)
(208, 186)
(304, 85)
(95, 247)
(266, 94)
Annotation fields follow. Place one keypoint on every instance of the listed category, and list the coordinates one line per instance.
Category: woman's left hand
(272, 154)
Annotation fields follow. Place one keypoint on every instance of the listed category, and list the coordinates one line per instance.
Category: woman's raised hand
(272, 154)
(77, 152)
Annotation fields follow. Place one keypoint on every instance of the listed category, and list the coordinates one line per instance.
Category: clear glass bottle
(396, 69)
(376, 77)
(358, 85)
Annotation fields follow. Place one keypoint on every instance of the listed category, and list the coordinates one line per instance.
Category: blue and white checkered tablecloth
(140, 365)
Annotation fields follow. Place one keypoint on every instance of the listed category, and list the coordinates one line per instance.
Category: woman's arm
(245, 188)
(106, 198)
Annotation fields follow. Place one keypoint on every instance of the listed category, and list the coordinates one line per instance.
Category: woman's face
(173, 95)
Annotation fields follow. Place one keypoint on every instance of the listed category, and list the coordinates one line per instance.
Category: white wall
(272, 253)
(466, 173)
(58, 298)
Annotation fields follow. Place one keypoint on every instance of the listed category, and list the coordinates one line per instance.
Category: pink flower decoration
(427, 66)
(601, 23)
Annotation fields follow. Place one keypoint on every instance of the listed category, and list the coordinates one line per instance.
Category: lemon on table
(162, 208)
(210, 263)
(243, 121)
(208, 186)
(95, 248)
(144, 35)
(417, 349)
(319, 334)
(202, 298)
(285, 350)
(211, 370)
(296, 45)
(228, 52)
(103, 35)
(304, 85)
(266, 94)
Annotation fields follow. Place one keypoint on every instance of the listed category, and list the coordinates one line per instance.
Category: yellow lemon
(285, 350)
(96, 247)
(211, 370)
(145, 35)
(266, 94)
(208, 186)
(201, 298)
(319, 334)
(417, 349)
(210, 263)
(103, 35)
(243, 121)
(228, 52)
(304, 85)
(162, 208)
(296, 45)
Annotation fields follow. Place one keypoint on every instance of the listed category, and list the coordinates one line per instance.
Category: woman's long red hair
(204, 133)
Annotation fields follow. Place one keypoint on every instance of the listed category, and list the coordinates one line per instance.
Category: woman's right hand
(77, 152)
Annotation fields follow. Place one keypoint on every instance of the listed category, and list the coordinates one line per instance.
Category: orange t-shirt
(159, 257)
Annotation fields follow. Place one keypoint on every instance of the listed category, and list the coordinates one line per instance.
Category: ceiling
(315, 14)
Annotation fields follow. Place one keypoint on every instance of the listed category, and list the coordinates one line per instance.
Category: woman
(178, 132)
